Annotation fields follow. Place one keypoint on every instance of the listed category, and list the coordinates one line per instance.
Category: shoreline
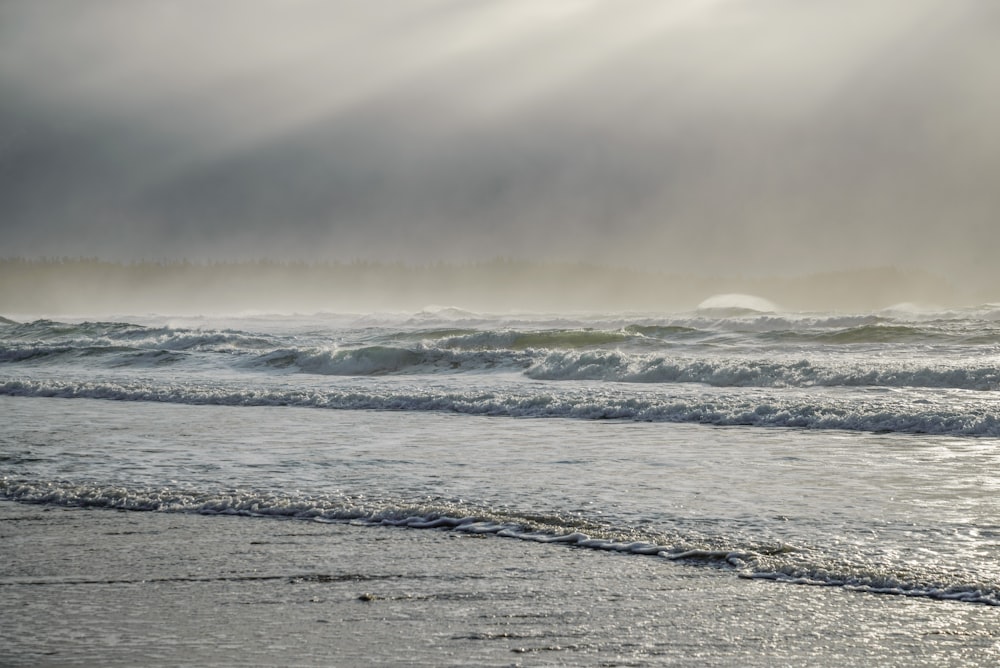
(88, 586)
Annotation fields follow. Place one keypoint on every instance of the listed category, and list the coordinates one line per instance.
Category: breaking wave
(633, 353)
(879, 413)
(114, 334)
(749, 372)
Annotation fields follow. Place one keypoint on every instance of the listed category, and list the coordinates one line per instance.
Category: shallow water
(906, 513)
(87, 586)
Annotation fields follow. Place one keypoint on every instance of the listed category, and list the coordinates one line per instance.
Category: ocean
(820, 459)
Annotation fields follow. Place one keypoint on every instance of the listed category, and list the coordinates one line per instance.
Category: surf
(761, 560)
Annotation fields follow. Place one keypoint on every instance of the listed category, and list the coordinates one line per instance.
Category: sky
(737, 137)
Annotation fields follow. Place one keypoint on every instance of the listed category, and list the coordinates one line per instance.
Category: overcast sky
(716, 136)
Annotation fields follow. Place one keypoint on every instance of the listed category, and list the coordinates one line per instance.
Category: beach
(108, 587)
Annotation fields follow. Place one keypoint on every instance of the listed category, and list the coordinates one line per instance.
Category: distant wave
(381, 360)
(757, 330)
(115, 356)
(766, 352)
(617, 366)
(694, 330)
(749, 372)
(747, 558)
(578, 358)
(739, 303)
(109, 334)
(33, 353)
(877, 414)
(549, 339)
(863, 334)
(472, 355)
(118, 344)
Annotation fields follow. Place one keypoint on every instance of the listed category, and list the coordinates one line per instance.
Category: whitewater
(854, 451)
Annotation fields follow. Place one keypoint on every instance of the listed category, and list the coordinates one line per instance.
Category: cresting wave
(749, 559)
(383, 360)
(599, 365)
(606, 365)
(624, 367)
(750, 372)
(522, 335)
(565, 330)
(767, 351)
(876, 414)
(123, 334)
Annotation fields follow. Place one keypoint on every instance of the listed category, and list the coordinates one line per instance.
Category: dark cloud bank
(723, 144)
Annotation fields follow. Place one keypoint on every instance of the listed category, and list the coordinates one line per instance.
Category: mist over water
(715, 139)
(93, 288)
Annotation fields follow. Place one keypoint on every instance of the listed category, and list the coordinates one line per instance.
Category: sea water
(855, 451)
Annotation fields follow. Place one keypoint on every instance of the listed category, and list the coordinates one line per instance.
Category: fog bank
(92, 288)
(690, 137)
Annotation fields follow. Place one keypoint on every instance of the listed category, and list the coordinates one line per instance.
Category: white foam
(618, 366)
(738, 302)
(964, 416)
(780, 565)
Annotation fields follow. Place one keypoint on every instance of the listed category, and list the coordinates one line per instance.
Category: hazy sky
(732, 136)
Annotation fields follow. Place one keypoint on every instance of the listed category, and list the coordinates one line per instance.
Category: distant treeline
(93, 286)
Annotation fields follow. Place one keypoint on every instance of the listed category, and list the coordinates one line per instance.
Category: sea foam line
(878, 414)
(747, 562)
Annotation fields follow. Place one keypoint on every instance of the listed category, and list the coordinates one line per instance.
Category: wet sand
(100, 587)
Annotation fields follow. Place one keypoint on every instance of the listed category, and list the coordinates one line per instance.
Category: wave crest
(878, 414)
(737, 304)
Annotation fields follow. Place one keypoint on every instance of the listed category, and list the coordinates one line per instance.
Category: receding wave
(877, 414)
(745, 557)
